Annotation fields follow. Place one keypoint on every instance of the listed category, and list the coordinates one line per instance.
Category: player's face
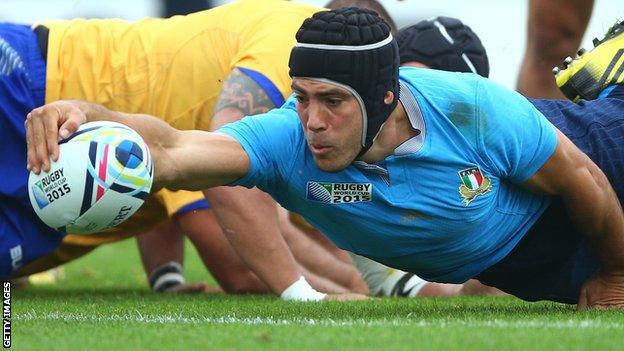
(332, 120)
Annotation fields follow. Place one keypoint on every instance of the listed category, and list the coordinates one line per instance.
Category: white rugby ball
(103, 175)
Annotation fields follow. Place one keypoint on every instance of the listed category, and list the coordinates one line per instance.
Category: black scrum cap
(353, 48)
(443, 43)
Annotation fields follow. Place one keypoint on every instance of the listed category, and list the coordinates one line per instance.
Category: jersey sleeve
(514, 136)
(271, 141)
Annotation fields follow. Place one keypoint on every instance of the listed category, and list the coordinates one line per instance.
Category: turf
(103, 304)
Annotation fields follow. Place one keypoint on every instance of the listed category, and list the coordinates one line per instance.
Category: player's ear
(389, 97)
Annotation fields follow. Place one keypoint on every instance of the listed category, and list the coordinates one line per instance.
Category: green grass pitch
(103, 304)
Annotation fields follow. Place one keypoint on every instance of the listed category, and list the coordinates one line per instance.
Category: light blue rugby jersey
(475, 134)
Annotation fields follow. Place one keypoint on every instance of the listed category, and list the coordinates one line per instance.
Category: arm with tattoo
(240, 96)
(246, 215)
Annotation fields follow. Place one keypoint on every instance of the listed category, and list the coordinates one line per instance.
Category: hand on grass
(604, 291)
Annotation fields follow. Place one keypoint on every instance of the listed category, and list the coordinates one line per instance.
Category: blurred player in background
(554, 31)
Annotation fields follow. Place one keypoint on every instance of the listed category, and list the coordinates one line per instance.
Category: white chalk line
(233, 319)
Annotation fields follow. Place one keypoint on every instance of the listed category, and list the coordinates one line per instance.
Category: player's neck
(394, 132)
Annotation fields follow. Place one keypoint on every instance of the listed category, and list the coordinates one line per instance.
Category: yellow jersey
(171, 68)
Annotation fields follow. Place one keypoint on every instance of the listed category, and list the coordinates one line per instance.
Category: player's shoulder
(453, 88)
(440, 91)
(427, 78)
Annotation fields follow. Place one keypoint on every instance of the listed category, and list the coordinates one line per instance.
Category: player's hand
(45, 127)
(603, 291)
(345, 297)
(199, 288)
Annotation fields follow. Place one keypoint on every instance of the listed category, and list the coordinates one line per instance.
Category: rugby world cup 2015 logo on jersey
(339, 193)
(474, 183)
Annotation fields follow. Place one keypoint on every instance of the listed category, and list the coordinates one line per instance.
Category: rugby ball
(103, 175)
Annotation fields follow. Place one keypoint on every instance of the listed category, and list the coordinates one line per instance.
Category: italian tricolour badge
(474, 183)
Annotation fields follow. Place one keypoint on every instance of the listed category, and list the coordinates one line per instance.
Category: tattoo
(244, 94)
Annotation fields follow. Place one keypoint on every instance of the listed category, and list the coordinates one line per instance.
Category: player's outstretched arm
(248, 216)
(592, 203)
(191, 160)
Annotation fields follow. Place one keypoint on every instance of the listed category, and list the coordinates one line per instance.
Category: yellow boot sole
(592, 71)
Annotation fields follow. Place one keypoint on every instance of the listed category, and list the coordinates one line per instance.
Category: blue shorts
(23, 237)
(554, 259)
